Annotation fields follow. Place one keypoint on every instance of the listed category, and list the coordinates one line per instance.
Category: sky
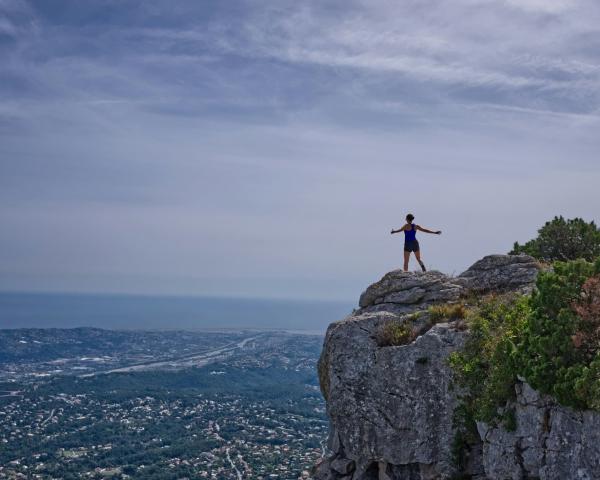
(267, 148)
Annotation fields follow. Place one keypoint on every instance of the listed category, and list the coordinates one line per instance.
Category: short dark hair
(410, 217)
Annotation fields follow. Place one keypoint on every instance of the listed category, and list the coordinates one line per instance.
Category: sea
(141, 312)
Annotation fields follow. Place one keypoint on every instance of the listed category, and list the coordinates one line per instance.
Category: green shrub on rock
(550, 353)
(563, 240)
(551, 338)
(487, 366)
(587, 386)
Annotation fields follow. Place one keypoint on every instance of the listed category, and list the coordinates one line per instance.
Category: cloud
(544, 6)
(467, 45)
(240, 141)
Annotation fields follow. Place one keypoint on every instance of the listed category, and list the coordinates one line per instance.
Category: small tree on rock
(563, 240)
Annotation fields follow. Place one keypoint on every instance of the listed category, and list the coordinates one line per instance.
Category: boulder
(501, 273)
(410, 289)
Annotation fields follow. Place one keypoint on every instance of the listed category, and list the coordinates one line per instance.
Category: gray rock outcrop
(401, 292)
(550, 442)
(391, 407)
(500, 273)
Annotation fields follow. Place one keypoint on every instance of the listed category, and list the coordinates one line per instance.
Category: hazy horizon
(108, 293)
(156, 312)
(267, 149)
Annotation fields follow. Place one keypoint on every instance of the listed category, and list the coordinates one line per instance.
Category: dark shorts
(411, 246)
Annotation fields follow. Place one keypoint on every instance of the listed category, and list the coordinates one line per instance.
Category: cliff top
(400, 292)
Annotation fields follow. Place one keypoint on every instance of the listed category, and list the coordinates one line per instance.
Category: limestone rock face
(391, 408)
(496, 273)
(394, 405)
(550, 442)
(400, 291)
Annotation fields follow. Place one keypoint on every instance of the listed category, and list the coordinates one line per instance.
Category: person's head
(410, 217)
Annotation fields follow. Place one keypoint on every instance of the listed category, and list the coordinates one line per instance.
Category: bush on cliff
(487, 367)
(563, 240)
(560, 340)
(551, 338)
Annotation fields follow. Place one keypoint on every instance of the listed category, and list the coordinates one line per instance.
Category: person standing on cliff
(410, 240)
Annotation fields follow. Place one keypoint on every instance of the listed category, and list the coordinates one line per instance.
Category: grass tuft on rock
(395, 333)
(447, 312)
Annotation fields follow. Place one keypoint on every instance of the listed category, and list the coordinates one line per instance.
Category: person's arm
(437, 232)
(399, 230)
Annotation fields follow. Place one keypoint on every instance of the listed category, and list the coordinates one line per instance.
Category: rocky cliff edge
(391, 408)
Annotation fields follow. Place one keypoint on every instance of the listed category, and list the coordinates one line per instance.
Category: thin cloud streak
(249, 144)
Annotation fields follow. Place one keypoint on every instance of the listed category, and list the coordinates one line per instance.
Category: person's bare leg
(418, 255)
(406, 257)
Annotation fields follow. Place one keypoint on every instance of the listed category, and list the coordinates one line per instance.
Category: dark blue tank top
(410, 235)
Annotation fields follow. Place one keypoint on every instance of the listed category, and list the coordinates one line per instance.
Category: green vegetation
(487, 367)
(559, 353)
(563, 240)
(396, 333)
(402, 332)
(447, 312)
(551, 338)
(157, 425)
